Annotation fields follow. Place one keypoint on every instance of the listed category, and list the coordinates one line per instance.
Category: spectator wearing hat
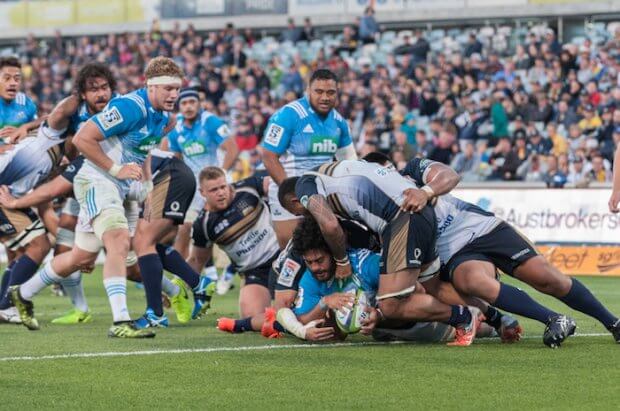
(537, 144)
(577, 173)
(591, 120)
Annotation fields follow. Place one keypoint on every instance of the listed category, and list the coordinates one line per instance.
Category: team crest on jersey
(110, 118)
(274, 134)
(289, 270)
(223, 131)
(323, 145)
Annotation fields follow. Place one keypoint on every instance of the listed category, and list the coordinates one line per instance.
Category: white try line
(233, 349)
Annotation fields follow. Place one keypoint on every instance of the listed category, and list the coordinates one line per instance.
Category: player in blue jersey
(319, 292)
(18, 114)
(115, 144)
(197, 137)
(301, 135)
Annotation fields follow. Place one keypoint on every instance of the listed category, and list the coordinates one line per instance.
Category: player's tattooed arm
(332, 232)
(60, 115)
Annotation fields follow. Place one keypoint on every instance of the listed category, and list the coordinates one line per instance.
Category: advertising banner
(298, 8)
(171, 9)
(566, 216)
(586, 260)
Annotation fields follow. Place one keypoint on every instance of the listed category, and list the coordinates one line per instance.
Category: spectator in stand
(291, 32)
(423, 145)
(245, 136)
(599, 173)
(443, 151)
(466, 161)
(504, 161)
(308, 33)
(554, 177)
(560, 145)
(421, 47)
(473, 45)
(368, 28)
(577, 174)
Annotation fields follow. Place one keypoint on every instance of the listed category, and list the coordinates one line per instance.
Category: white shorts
(94, 194)
(278, 213)
(198, 203)
(132, 213)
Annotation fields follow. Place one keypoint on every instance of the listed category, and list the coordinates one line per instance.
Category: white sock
(170, 288)
(73, 287)
(116, 288)
(46, 276)
(210, 272)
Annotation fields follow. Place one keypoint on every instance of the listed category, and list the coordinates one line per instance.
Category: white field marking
(233, 349)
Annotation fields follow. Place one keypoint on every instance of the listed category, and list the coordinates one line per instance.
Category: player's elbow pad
(346, 153)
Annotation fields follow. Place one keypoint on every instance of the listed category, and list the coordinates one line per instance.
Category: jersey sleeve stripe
(138, 101)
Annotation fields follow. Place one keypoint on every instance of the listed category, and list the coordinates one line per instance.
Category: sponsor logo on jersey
(221, 226)
(194, 148)
(323, 145)
(110, 118)
(289, 271)
(147, 145)
(274, 134)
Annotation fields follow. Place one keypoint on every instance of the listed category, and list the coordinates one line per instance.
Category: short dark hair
(308, 236)
(377, 157)
(287, 187)
(10, 62)
(323, 74)
(90, 71)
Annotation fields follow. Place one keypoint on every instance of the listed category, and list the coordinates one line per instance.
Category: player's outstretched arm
(230, 147)
(61, 114)
(58, 187)
(273, 166)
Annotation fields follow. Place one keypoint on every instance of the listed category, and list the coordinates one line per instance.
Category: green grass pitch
(195, 366)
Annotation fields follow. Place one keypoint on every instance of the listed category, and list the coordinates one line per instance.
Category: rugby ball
(349, 320)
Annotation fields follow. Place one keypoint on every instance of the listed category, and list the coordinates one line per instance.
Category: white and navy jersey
(458, 222)
(30, 162)
(243, 230)
(357, 190)
(303, 138)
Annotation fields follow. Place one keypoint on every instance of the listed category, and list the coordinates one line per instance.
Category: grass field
(195, 366)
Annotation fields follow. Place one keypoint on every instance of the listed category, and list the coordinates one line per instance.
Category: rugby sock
(116, 288)
(243, 325)
(278, 327)
(23, 269)
(5, 279)
(46, 276)
(229, 273)
(210, 272)
(581, 299)
(73, 287)
(518, 302)
(168, 287)
(174, 262)
(460, 315)
(152, 272)
(493, 317)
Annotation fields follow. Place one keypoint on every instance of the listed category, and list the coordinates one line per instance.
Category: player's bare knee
(389, 306)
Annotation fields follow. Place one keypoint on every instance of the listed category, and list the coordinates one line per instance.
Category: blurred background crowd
(537, 110)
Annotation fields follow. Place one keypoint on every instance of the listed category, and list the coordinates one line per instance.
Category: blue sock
(518, 302)
(493, 317)
(229, 272)
(23, 269)
(243, 325)
(174, 263)
(5, 279)
(581, 299)
(152, 271)
(460, 315)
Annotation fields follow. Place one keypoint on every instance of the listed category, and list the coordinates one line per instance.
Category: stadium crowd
(545, 111)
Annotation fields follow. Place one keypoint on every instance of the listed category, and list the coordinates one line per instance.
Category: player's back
(362, 191)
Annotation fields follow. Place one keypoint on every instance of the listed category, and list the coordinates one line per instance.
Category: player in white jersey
(373, 195)
(474, 244)
(115, 143)
(301, 135)
(237, 220)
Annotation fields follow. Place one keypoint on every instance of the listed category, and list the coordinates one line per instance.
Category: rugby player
(237, 220)
(18, 114)
(373, 194)
(115, 144)
(473, 244)
(167, 175)
(197, 137)
(319, 292)
(301, 135)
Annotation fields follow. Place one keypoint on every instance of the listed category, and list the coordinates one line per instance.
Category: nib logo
(484, 203)
(323, 145)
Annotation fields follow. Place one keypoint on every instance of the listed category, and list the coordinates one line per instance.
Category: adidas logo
(308, 129)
